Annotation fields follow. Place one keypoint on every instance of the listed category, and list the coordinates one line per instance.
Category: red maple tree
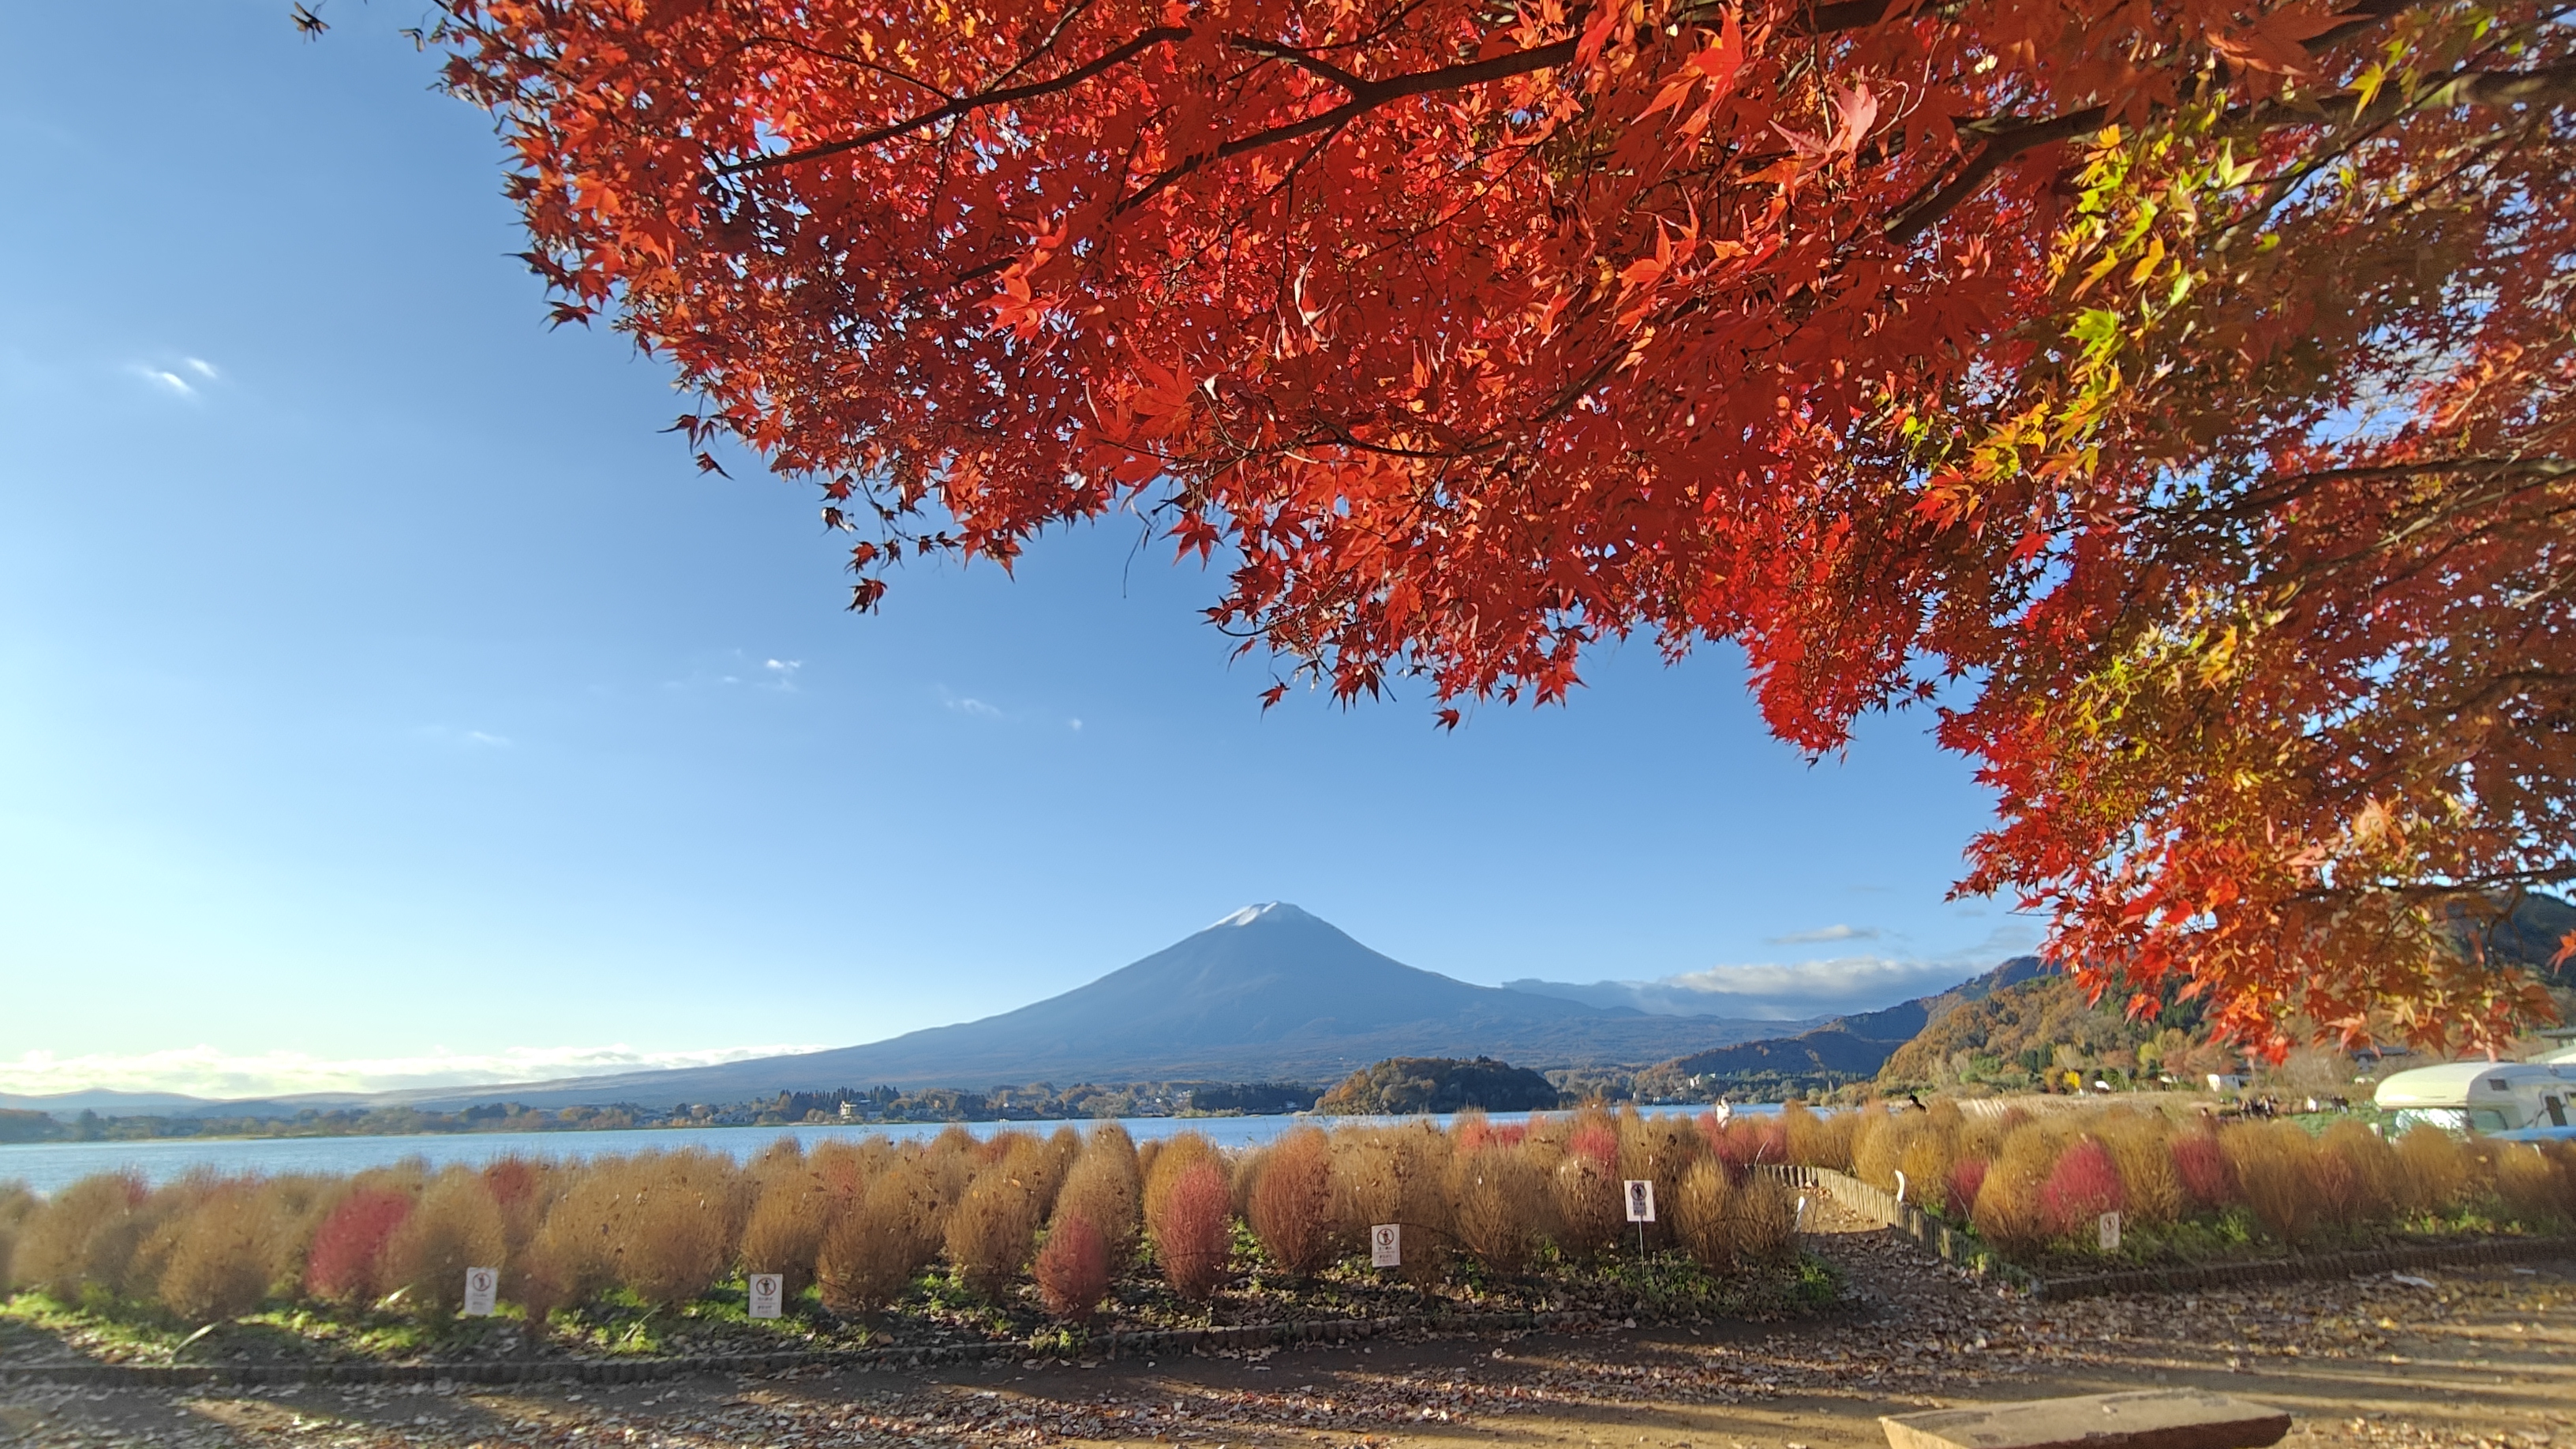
(2173, 394)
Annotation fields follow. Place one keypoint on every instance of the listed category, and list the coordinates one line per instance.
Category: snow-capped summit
(1274, 911)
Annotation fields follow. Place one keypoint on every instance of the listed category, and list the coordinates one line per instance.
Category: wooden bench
(2155, 1419)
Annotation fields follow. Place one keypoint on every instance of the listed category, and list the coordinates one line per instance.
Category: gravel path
(2479, 1357)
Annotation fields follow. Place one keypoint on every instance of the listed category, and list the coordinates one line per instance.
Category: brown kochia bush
(86, 1235)
(784, 1233)
(992, 1231)
(17, 1204)
(663, 1224)
(2141, 1150)
(1499, 1197)
(1396, 1175)
(1819, 1140)
(1879, 1142)
(2435, 1173)
(879, 1244)
(1588, 1208)
(1193, 1230)
(2007, 1212)
(2531, 1180)
(220, 1258)
(1660, 1150)
(1766, 1220)
(573, 1256)
(1291, 1203)
(1704, 1214)
(2358, 1179)
(2274, 1165)
(1072, 1270)
(456, 1226)
(1104, 1187)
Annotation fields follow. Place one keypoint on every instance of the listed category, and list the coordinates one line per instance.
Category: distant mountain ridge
(1269, 992)
(1848, 1046)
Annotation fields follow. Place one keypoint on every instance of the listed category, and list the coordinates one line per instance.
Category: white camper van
(2482, 1096)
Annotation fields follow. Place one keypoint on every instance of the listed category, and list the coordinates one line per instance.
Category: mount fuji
(1268, 992)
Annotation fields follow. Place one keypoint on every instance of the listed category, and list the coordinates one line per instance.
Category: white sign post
(1900, 1187)
(768, 1294)
(482, 1291)
(2109, 1230)
(1641, 1200)
(1386, 1246)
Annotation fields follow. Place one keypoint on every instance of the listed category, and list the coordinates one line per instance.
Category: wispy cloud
(1827, 933)
(464, 739)
(740, 669)
(173, 378)
(964, 704)
(204, 1071)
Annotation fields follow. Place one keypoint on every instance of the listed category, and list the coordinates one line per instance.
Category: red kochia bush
(1596, 1141)
(1073, 1268)
(2202, 1166)
(1744, 1141)
(1967, 1178)
(345, 1263)
(1194, 1231)
(2083, 1185)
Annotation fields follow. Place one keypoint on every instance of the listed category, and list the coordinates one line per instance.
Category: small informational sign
(768, 1294)
(1900, 1187)
(2109, 1229)
(1641, 1200)
(482, 1291)
(1386, 1246)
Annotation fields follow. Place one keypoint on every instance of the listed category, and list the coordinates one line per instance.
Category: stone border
(1968, 1251)
(646, 1370)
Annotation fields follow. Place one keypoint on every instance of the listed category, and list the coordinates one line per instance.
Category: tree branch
(1366, 96)
(2009, 137)
(966, 105)
(2004, 142)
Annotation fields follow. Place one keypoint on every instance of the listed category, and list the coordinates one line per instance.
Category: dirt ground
(2478, 1357)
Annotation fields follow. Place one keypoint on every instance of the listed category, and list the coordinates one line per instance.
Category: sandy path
(2484, 1356)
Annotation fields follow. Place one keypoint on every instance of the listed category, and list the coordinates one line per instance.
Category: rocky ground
(2453, 1357)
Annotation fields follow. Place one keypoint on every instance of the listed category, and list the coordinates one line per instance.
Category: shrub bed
(2190, 1191)
(948, 1242)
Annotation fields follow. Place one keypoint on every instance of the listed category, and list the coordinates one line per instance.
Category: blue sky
(385, 695)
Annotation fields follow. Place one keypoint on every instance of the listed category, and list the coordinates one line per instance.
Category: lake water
(50, 1166)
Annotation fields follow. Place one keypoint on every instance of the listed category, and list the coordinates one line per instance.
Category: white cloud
(1790, 991)
(463, 739)
(204, 1071)
(1828, 933)
(1074, 725)
(965, 705)
(170, 378)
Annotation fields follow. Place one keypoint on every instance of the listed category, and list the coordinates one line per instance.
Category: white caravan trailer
(2482, 1096)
